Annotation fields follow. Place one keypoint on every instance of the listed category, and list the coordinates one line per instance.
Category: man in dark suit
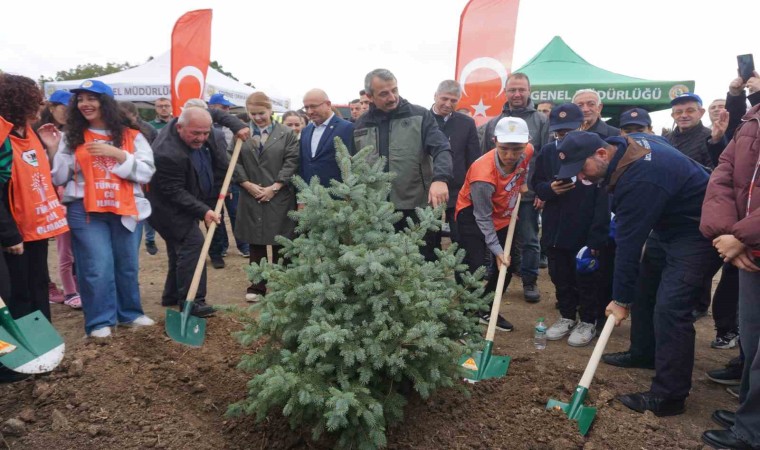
(463, 137)
(317, 139)
(190, 168)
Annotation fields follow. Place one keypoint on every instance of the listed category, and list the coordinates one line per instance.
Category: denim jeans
(526, 239)
(150, 233)
(747, 426)
(106, 254)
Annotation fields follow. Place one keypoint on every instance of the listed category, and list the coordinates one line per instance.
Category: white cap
(511, 130)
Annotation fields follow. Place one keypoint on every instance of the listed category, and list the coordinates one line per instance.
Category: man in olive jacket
(413, 146)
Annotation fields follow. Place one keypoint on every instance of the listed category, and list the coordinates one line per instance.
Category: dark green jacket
(415, 149)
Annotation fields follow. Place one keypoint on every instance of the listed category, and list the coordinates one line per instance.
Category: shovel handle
(588, 374)
(502, 274)
(210, 232)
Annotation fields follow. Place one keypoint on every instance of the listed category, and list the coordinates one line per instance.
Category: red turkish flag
(191, 52)
(484, 55)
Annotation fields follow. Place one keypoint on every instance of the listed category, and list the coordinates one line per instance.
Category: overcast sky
(294, 45)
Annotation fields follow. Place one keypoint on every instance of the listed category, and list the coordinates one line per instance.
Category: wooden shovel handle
(210, 232)
(588, 374)
(502, 273)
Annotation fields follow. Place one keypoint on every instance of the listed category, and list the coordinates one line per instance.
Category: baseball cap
(686, 97)
(635, 116)
(94, 86)
(565, 117)
(60, 96)
(511, 130)
(219, 99)
(574, 149)
(585, 262)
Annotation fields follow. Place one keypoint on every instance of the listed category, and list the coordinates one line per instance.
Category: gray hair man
(590, 103)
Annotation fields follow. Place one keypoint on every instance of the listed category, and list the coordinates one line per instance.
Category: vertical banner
(190, 54)
(484, 55)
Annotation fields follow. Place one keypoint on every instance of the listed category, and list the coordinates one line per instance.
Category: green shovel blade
(484, 365)
(575, 410)
(39, 348)
(184, 327)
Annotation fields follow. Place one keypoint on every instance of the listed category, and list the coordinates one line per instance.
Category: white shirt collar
(324, 124)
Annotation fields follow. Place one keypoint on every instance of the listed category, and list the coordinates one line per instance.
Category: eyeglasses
(308, 107)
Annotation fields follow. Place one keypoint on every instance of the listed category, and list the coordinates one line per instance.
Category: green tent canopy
(557, 72)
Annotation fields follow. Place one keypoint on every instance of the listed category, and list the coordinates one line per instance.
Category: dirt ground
(142, 390)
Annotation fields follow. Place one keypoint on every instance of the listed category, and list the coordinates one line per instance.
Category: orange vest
(34, 204)
(507, 187)
(104, 193)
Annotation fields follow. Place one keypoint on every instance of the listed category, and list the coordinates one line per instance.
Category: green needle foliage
(355, 318)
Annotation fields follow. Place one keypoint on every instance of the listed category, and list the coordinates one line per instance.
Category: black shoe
(734, 391)
(731, 375)
(531, 294)
(543, 263)
(200, 309)
(723, 418)
(648, 401)
(724, 439)
(151, 248)
(725, 341)
(624, 359)
(217, 262)
(501, 323)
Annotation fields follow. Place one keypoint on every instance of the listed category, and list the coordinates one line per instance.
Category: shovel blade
(41, 349)
(484, 365)
(575, 410)
(192, 333)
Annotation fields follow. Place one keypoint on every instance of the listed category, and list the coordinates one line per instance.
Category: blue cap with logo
(574, 149)
(219, 99)
(686, 97)
(60, 96)
(565, 117)
(635, 116)
(95, 87)
(585, 262)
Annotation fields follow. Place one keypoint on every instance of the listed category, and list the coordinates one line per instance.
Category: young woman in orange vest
(30, 212)
(55, 112)
(487, 201)
(102, 163)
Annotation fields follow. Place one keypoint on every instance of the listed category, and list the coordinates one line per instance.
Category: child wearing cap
(488, 198)
(576, 216)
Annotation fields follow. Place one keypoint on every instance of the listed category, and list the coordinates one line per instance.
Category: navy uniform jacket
(662, 191)
(323, 164)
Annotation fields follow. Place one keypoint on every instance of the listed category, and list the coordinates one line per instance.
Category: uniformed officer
(653, 187)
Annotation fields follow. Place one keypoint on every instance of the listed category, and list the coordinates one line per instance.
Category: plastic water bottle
(539, 335)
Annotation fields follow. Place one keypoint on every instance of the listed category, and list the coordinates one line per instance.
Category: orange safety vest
(103, 192)
(34, 204)
(507, 187)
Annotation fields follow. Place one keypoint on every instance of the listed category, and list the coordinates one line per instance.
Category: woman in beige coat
(268, 159)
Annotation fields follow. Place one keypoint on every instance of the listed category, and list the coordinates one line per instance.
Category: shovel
(39, 348)
(182, 326)
(575, 410)
(483, 364)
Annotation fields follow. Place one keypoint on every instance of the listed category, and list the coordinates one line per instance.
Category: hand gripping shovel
(182, 326)
(39, 348)
(484, 365)
(575, 410)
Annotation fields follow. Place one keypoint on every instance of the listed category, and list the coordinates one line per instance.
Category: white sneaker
(101, 333)
(252, 298)
(582, 335)
(559, 329)
(142, 321)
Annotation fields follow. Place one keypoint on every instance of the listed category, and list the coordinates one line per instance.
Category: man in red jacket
(731, 217)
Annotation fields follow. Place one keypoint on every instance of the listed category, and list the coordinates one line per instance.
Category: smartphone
(746, 66)
(563, 180)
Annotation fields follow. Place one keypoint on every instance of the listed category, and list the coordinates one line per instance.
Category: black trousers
(29, 272)
(183, 257)
(259, 253)
(725, 302)
(472, 240)
(432, 238)
(577, 293)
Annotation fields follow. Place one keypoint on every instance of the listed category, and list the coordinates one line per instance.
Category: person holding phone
(576, 214)
(731, 218)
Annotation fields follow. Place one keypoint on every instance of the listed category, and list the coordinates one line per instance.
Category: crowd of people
(628, 222)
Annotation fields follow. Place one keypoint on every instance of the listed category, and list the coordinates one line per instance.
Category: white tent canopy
(150, 81)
